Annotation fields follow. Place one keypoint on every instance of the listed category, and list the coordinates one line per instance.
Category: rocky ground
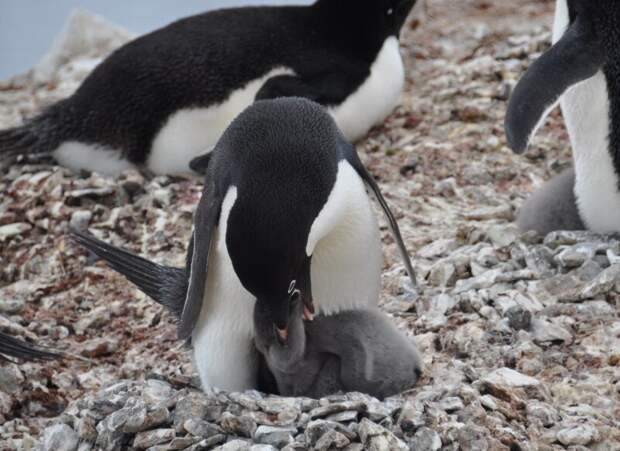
(520, 333)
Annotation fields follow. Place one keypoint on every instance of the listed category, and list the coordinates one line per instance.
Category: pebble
(582, 434)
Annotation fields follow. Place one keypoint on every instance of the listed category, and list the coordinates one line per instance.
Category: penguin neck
(591, 111)
(353, 24)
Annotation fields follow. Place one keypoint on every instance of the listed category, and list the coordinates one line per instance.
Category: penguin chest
(191, 132)
(586, 111)
(345, 245)
(224, 352)
(377, 97)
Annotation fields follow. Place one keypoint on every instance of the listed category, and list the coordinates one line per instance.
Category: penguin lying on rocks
(284, 211)
(582, 72)
(358, 350)
(11, 347)
(164, 99)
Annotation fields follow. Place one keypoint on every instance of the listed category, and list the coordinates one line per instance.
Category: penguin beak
(281, 335)
(308, 309)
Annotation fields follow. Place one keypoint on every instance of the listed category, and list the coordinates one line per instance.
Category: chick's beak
(282, 335)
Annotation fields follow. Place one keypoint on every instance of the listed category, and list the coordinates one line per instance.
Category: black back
(200, 60)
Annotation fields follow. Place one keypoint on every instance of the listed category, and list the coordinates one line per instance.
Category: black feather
(11, 347)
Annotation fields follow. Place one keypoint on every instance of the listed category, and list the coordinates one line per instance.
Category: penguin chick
(349, 351)
(165, 98)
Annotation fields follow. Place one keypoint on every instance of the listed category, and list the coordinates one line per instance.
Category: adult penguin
(284, 213)
(582, 72)
(165, 98)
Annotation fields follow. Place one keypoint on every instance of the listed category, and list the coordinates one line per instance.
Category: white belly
(346, 271)
(346, 248)
(377, 97)
(78, 156)
(586, 112)
(192, 132)
(222, 340)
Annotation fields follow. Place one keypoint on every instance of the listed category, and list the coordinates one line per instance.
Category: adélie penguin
(165, 98)
(357, 350)
(582, 72)
(284, 212)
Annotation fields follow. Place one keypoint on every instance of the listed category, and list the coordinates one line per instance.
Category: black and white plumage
(284, 212)
(349, 351)
(14, 348)
(165, 98)
(581, 72)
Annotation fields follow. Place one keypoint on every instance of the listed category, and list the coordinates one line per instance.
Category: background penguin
(582, 70)
(11, 347)
(284, 211)
(165, 98)
(350, 351)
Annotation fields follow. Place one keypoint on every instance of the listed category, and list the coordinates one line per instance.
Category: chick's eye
(295, 295)
(390, 11)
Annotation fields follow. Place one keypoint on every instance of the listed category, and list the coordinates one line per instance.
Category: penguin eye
(295, 295)
(291, 287)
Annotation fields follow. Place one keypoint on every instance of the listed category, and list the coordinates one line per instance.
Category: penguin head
(385, 17)
(285, 155)
(588, 45)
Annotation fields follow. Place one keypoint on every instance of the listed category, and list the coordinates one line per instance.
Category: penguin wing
(329, 89)
(574, 58)
(165, 285)
(351, 156)
(11, 347)
(205, 222)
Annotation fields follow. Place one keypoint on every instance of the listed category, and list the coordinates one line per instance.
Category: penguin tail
(164, 284)
(11, 347)
(37, 136)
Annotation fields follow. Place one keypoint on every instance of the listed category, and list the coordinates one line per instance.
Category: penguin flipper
(11, 347)
(351, 156)
(574, 58)
(200, 164)
(165, 285)
(205, 222)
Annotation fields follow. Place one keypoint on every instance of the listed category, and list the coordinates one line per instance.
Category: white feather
(78, 156)
(377, 97)
(222, 340)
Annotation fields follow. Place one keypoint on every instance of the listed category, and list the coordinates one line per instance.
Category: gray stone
(543, 412)
(59, 437)
(11, 378)
(317, 428)
(545, 331)
(503, 235)
(575, 256)
(80, 219)
(331, 440)
(201, 428)
(519, 318)
(450, 404)
(11, 306)
(147, 439)
(425, 439)
(376, 438)
(239, 425)
(275, 436)
(581, 434)
(189, 406)
(442, 275)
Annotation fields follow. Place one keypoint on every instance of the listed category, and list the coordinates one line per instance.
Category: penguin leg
(552, 207)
